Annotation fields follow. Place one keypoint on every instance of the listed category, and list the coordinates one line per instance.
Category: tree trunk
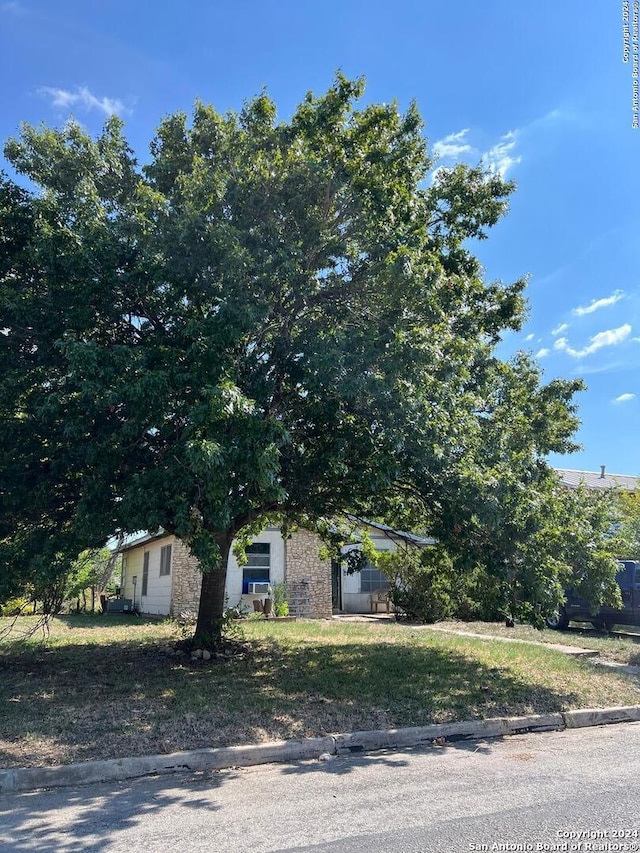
(212, 600)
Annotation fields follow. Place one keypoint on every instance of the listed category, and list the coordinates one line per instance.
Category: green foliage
(420, 582)
(347, 541)
(591, 544)
(478, 596)
(267, 319)
(629, 520)
(511, 553)
(256, 616)
(15, 606)
(86, 571)
(426, 585)
(280, 603)
(519, 547)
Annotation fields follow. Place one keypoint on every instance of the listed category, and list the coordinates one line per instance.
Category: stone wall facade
(186, 579)
(306, 571)
(308, 578)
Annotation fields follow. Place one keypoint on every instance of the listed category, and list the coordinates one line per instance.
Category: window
(145, 573)
(165, 560)
(258, 566)
(371, 580)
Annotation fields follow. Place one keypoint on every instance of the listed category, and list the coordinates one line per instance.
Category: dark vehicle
(579, 610)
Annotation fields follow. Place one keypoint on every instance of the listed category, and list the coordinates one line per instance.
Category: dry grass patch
(108, 687)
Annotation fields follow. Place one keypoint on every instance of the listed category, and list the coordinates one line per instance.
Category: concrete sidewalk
(92, 772)
(576, 651)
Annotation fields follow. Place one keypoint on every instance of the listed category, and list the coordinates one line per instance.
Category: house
(354, 591)
(160, 577)
(597, 479)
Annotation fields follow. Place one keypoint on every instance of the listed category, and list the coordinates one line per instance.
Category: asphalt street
(570, 790)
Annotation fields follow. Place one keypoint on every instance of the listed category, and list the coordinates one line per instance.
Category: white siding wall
(157, 601)
(354, 601)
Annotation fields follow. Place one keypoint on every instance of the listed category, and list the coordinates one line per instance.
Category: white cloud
(608, 338)
(624, 398)
(530, 337)
(500, 158)
(503, 156)
(542, 352)
(560, 329)
(453, 145)
(596, 304)
(83, 98)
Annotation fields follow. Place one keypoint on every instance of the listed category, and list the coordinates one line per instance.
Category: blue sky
(538, 89)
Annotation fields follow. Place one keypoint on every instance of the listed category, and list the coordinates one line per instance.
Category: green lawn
(622, 645)
(106, 687)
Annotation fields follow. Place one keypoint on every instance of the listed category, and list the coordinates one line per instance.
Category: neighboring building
(160, 577)
(597, 479)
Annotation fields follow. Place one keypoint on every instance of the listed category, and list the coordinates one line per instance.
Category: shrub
(420, 582)
(426, 585)
(280, 603)
(15, 607)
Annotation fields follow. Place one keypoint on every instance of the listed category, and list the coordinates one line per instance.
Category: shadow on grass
(78, 702)
(100, 621)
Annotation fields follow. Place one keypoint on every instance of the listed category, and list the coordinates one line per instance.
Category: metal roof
(141, 538)
(392, 533)
(597, 479)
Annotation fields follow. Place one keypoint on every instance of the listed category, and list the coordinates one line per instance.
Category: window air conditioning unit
(258, 588)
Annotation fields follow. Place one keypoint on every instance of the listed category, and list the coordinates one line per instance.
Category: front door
(336, 586)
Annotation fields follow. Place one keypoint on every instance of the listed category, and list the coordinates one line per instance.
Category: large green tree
(629, 508)
(511, 539)
(268, 319)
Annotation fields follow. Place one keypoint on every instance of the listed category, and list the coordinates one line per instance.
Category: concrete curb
(118, 769)
(446, 733)
(600, 716)
(22, 779)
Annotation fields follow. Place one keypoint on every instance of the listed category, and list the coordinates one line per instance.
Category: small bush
(420, 583)
(280, 603)
(426, 585)
(15, 607)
